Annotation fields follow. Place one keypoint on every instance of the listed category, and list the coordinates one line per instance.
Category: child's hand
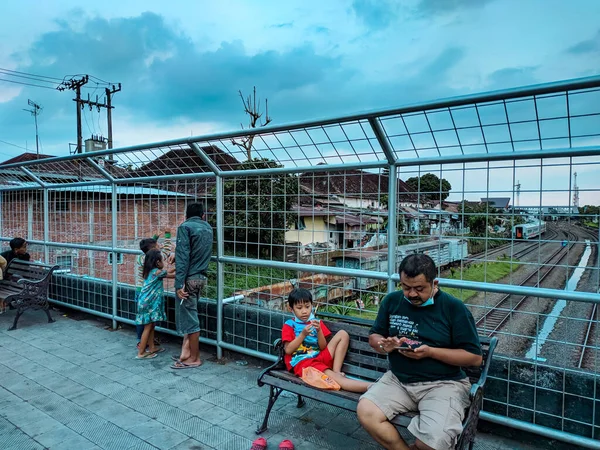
(307, 330)
(316, 324)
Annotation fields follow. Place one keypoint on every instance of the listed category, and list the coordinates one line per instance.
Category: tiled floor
(75, 385)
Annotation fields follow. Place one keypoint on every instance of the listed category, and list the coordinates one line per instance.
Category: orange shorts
(322, 362)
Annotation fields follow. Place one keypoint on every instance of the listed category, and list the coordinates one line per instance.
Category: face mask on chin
(428, 302)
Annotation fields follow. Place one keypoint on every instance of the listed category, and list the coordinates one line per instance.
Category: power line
(14, 145)
(31, 74)
(27, 84)
(27, 77)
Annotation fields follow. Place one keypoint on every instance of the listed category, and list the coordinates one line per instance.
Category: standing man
(428, 336)
(192, 255)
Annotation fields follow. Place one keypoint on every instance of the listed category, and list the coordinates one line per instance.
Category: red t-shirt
(288, 334)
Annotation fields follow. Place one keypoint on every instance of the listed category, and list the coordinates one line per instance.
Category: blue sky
(181, 63)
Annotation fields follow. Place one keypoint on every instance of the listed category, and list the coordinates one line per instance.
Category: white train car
(529, 230)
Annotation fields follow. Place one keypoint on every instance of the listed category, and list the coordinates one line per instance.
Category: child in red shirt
(305, 340)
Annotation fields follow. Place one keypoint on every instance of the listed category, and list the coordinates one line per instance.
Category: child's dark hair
(152, 257)
(17, 243)
(299, 295)
(147, 244)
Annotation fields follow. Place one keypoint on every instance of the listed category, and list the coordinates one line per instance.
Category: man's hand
(389, 344)
(424, 351)
(181, 293)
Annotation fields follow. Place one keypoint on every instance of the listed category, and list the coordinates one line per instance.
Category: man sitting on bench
(428, 336)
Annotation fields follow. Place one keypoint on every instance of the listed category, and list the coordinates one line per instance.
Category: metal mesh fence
(500, 189)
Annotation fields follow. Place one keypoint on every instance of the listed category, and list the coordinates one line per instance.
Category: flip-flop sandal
(159, 350)
(182, 365)
(286, 445)
(259, 444)
(175, 358)
(146, 356)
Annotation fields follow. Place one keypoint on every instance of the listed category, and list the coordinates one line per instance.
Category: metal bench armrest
(279, 364)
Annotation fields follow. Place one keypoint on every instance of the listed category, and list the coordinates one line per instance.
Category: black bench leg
(47, 310)
(14, 325)
(272, 399)
(301, 402)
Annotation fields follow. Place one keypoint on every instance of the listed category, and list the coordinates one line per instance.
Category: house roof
(185, 160)
(351, 183)
(497, 202)
(65, 171)
(121, 190)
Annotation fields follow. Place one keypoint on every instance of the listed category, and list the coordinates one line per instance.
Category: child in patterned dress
(151, 304)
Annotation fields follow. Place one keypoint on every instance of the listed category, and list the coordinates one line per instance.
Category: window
(119, 258)
(64, 262)
(300, 225)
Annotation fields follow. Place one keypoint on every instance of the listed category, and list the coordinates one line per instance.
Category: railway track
(529, 246)
(496, 317)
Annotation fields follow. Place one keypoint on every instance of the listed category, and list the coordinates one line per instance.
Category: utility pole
(37, 109)
(75, 85)
(109, 108)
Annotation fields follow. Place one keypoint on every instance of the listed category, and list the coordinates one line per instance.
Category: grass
(591, 224)
(490, 272)
(239, 277)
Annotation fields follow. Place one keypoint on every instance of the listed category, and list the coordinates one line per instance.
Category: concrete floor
(75, 384)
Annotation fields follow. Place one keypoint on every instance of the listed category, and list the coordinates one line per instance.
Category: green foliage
(477, 216)
(255, 208)
(590, 210)
(430, 187)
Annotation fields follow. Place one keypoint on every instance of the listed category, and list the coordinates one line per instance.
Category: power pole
(75, 85)
(37, 109)
(109, 108)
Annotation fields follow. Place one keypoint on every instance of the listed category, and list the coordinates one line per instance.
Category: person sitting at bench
(18, 250)
(305, 340)
(428, 336)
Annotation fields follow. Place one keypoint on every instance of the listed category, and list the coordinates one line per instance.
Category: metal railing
(309, 183)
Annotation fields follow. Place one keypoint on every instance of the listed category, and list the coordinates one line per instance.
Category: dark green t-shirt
(445, 324)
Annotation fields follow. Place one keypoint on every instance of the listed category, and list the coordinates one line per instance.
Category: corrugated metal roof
(104, 189)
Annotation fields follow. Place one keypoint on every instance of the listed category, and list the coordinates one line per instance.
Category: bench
(25, 285)
(365, 363)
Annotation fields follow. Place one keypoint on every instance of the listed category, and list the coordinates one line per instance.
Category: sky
(181, 63)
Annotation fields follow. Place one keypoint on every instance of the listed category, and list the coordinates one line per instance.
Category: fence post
(392, 226)
(115, 271)
(46, 226)
(220, 271)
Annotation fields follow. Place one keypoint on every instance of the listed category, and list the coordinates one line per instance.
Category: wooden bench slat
(353, 330)
(355, 358)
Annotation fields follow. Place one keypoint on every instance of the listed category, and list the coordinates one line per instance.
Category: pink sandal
(259, 444)
(286, 445)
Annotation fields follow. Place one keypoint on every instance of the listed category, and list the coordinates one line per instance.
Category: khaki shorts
(187, 310)
(440, 404)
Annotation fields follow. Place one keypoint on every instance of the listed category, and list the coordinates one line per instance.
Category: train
(445, 252)
(529, 230)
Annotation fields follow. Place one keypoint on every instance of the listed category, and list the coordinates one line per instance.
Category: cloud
(375, 14)
(587, 46)
(282, 25)
(513, 76)
(442, 7)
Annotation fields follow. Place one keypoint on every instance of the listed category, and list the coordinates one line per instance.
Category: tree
(256, 208)
(477, 216)
(253, 111)
(430, 188)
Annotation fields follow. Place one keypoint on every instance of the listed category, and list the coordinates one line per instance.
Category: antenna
(36, 111)
(518, 186)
